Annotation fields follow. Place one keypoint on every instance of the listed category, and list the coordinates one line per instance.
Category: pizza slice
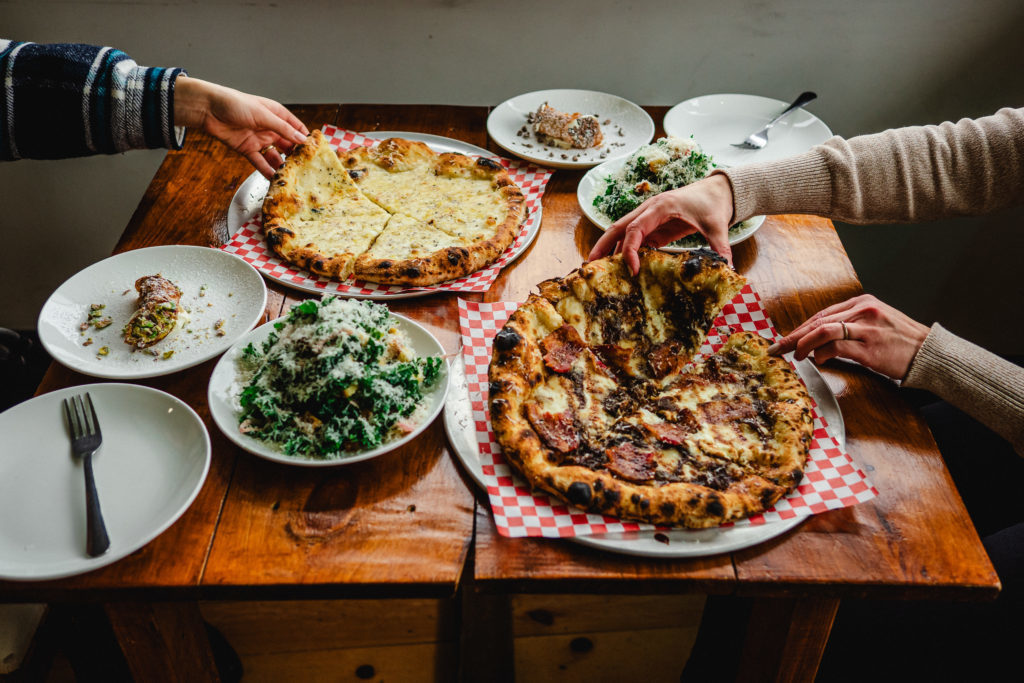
(683, 294)
(395, 174)
(411, 251)
(314, 216)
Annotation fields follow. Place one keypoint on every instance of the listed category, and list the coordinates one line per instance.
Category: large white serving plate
(594, 182)
(224, 388)
(152, 464)
(624, 125)
(247, 203)
(215, 286)
(718, 121)
(460, 427)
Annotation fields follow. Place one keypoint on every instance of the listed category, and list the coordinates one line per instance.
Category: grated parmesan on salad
(666, 164)
(334, 378)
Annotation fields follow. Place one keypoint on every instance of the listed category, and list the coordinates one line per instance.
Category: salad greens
(666, 164)
(335, 377)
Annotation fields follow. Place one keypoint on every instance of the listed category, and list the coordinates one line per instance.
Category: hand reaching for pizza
(257, 128)
(704, 207)
(862, 329)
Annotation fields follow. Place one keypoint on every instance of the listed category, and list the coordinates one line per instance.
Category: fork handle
(800, 101)
(97, 542)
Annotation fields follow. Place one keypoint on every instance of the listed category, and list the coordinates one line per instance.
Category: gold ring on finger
(846, 330)
(267, 149)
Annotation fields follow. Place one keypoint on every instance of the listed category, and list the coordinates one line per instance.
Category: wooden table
(401, 525)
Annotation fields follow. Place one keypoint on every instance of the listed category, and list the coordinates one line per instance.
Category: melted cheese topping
(407, 238)
(346, 226)
(403, 212)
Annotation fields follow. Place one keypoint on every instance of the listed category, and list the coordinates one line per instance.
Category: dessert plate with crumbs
(624, 127)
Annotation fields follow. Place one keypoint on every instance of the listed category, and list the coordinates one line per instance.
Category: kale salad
(666, 164)
(334, 378)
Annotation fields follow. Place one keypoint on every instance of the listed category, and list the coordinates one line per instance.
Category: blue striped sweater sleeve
(69, 100)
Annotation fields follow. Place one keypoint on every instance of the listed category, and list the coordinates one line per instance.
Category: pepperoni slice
(616, 356)
(556, 429)
(727, 411)
(669, 432)
(561, 348)
(630, 463)
(664, 358)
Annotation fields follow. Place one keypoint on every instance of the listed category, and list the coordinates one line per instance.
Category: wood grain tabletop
(404, 523)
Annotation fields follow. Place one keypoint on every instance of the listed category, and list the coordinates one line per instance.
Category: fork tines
(82, 422)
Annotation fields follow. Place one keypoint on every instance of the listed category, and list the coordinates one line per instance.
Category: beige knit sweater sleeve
(913, 174)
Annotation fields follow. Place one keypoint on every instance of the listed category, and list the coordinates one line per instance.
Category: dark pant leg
(949, 641)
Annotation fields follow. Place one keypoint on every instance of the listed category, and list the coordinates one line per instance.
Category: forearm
(910, 174)
(192, 101)
(983, 385)
(67, 100)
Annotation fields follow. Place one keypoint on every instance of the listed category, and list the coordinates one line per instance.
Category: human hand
(862, 329)
(257, 128)
(704, 207)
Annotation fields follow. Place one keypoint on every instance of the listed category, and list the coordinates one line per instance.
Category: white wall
(874, 64)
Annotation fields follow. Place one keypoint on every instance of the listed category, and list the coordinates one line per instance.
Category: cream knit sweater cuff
(980, 383)
(799, 184)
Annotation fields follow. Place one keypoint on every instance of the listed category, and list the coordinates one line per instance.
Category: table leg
(486, 648)
(164, 641)
(786, 638)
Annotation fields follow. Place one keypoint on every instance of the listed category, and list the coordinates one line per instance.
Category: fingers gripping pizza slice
(594, 398)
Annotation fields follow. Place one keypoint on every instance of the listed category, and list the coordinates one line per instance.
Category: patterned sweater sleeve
(68, 100)
(914, 174)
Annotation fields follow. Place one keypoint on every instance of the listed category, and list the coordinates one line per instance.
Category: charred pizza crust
(395, 213)
(594, 399)
(314, 216)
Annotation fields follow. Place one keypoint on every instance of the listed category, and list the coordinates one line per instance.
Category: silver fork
(85, 440)
(760, 138)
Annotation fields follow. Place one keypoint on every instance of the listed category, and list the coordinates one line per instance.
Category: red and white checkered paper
(248, 242)
(831, 480)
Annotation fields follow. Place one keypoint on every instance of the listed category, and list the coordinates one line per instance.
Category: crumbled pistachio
(102, 351)
(167, 354)
(87, 342)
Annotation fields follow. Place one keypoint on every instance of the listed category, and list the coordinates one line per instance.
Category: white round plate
(153, 461)
(460, 427)
(248, 202)
(627, 128)
(223, 397)
(593, 183)
(215, 286)
(717, 121)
